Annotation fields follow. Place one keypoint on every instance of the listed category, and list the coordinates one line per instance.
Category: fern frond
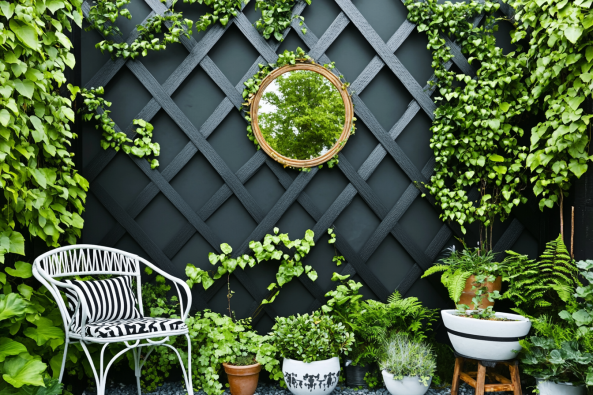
(436, 269)
(455, 283)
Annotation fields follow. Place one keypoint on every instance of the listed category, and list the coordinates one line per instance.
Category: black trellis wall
(213, 186)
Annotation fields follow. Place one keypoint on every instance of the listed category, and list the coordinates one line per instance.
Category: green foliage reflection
(301, 114)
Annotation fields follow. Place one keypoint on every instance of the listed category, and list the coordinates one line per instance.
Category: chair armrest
(177, 282)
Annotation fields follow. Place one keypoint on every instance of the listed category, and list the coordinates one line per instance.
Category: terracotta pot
(468, 294)
(242, 379)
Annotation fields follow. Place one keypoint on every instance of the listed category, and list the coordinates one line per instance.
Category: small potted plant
(310, 345)
(220, 341)
(475, 330)
(407, 365)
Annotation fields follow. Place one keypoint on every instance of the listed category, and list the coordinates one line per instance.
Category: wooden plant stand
(477, 379)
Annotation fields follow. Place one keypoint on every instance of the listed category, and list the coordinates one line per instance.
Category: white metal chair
(89, 260)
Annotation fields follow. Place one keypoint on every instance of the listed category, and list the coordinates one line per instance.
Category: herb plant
(311, 337)
(404, 357)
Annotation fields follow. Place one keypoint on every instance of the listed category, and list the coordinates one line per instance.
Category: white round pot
(409, 385)
(551, 388)
(314, 378)
(483, 339)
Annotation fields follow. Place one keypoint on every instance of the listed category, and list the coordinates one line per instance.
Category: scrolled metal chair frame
(90, 260)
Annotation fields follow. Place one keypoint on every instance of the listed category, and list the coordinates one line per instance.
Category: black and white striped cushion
(133, 327)
(107, 300)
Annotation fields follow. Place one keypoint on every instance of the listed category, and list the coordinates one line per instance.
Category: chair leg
(189, 384)
(137, 368)
(63, 361)
(456, 372)
(481, 379)
(97, 378)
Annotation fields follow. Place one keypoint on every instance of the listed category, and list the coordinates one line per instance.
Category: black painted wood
(234, 183)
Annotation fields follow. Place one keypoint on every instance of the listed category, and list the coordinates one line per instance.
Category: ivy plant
(276, 17)
(475, 137)
(94, 109)
(276, 247)
(172, 25)
(560, 57)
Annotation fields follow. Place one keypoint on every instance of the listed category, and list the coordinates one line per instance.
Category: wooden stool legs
(477, 379)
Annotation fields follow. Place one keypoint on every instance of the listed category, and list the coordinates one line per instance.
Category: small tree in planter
(407, 365)
(310, 345)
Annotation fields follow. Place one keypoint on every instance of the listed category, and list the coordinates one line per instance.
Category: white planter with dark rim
(409, 385)
(546, 387)
(314, 378)
(484, 339)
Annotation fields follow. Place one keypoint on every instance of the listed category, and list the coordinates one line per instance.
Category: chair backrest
(84, 260)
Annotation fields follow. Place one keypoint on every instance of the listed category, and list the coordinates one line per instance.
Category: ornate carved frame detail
(349, 113)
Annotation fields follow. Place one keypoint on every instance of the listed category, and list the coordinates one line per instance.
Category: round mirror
(302, 116)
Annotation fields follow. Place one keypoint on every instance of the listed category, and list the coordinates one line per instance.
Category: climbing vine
(276, 17)
(252, 87)
(94, 108)
(560, 57)
(475, 136)
(172, 24)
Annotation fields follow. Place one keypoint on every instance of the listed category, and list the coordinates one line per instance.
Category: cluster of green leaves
(542, 286)
(276, 247)
(580, 314)
(337, 259)
(276, 17)
(172, 25)
(219, 339)
(560, 54)
(95, 109)
(372, 322)
(311, 337)
(403, 356)
(457, 266)
(474, 133)
(104, 13)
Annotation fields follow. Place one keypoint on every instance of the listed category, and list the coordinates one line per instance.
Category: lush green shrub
(543, 286)
(372, 322)
(402, 356)
(216, 339)
(311, 337)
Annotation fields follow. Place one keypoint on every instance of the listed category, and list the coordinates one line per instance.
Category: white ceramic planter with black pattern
(409, 385)
(546, 387)
(313, 378)
(485, 339)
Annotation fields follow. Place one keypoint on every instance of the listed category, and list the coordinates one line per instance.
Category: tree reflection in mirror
(301, 114)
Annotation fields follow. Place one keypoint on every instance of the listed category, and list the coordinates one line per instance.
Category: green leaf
(54, 5)
(44, 332)
(577, 168)
(505, 106)
(4, 117)
(225, 248)
(7, 8)
(21, 269)
(25, 33)
(24, 370)
(25, 88)
(17, 243)
(312, 275)
(13, 305)
(496, 158)
(589, 53)
(10, 347)
(573, 33)
(575, 102)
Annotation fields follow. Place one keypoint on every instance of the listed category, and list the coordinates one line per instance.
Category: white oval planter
(551, 388)
(409, 385)
(483, 339)
(314, 378)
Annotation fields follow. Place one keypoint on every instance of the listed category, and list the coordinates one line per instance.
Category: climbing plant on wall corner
(475, 132)
(276, 17)
(560, 60)
(43, 193)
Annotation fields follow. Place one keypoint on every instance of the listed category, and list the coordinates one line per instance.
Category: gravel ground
(267, 389)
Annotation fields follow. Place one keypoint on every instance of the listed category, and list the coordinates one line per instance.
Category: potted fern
(475, 330)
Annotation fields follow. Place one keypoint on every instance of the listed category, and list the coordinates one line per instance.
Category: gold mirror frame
(349, 115)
